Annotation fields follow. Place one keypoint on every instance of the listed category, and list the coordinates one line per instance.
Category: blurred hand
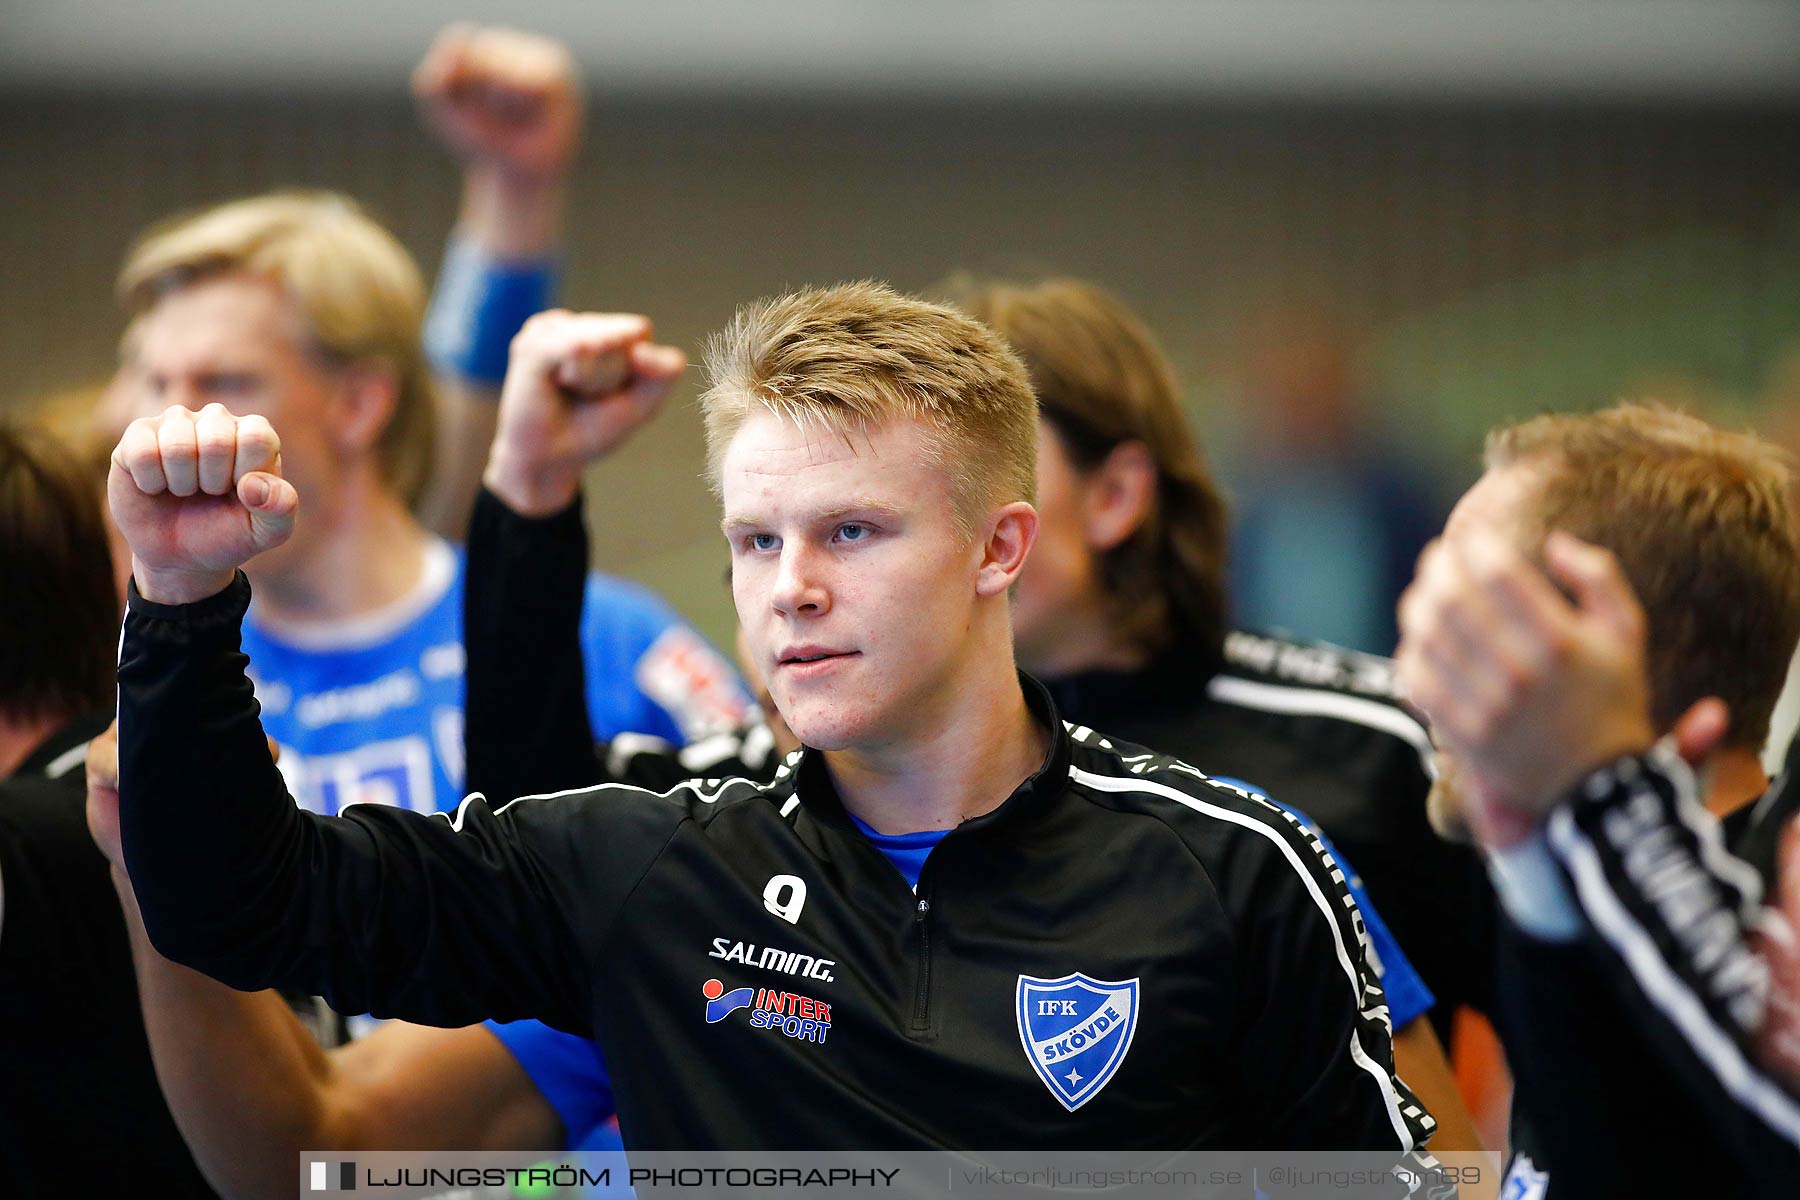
(103, 794)
(1778, 1041)
(1525, 691)
(1445, 805)
(577, 385)
(196, 495)
(503, 99)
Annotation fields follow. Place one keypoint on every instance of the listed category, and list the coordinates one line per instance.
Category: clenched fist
(502, 97)
(196, 495)
(577, 385)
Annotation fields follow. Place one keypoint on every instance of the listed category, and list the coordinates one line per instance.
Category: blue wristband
(479, 304)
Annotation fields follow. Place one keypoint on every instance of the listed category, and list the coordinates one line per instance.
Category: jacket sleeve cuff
(1533, 890)
(227, 605)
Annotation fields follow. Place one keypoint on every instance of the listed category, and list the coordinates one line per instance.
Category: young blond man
(979, 912)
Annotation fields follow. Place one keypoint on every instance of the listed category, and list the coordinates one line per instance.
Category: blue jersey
(371, 709)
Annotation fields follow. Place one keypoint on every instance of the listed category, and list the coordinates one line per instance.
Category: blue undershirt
(907, 851)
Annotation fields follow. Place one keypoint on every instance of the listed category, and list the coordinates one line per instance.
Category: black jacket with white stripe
(1633, 1044)
(1317, 727)
(1313, 725)
(1241, 1012)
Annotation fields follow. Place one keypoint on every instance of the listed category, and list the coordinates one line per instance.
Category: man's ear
(366, 396)
(1700, 730)
(1011, 532)
(1119, 494)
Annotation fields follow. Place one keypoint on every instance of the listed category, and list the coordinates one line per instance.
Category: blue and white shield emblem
(1076, 1031)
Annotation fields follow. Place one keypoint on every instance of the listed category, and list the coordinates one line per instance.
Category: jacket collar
(819, 795)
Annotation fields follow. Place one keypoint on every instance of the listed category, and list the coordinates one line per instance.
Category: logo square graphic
(321, 1177)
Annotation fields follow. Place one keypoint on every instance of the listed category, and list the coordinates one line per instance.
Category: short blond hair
(859, 355)
(1698, 518)
(355, 287)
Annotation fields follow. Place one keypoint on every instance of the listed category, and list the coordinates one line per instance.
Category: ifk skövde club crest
(1076, 1031)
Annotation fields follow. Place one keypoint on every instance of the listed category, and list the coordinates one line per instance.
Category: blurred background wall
(1489, 209)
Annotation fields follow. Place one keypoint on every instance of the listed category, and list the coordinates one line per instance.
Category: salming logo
(769, 958)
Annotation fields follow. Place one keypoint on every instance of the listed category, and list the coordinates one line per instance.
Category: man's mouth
(809, 654)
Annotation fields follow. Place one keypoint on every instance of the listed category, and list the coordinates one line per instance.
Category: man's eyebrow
(855, 508)
(837, 512)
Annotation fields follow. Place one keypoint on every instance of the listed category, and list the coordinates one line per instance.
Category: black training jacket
(1122, 955)
(80, 1109)
(1633, 1046)
(1316, 726)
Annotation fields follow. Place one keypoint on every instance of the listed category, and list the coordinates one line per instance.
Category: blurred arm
(1677, 925)
(508, 105)
(1419, 1061)
(525, 729)
(251, 1090)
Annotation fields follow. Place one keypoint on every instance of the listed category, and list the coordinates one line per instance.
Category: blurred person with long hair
(79, 1105)
(1122, 613)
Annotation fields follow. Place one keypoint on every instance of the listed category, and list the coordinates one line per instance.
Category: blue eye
(853, 532)
(229, 383)
(761, 541)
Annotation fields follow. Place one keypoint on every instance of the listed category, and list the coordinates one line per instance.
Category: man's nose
(800, 584)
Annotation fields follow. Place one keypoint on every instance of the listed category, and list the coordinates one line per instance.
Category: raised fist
(509, 99)
(577, 385)
(196, 495)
